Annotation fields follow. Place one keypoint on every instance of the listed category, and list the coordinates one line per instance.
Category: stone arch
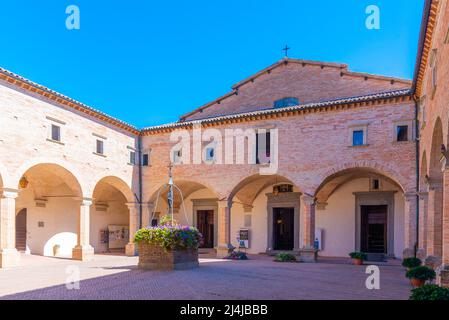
(117, 183)
(435, 171)
(369, 167)
(4, 177)
(251, 186)
(56, 163)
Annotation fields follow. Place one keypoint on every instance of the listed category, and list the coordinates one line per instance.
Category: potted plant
(285, 257)
(168, 247)
(358, 257)
(419, 275)
(411, 263)
(430, 292)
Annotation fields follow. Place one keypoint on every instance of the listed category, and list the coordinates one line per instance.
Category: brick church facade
(350, 161)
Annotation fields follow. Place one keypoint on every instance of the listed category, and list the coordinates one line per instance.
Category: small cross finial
(286, 50)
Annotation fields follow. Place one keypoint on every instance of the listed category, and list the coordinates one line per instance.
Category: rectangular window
(55, 132)
(132, 157)
(357, 138)
(145, 159)
(402, 133)
(263, 147)
(375, 184)
(100, 147)
(177, 154)
(210, 154)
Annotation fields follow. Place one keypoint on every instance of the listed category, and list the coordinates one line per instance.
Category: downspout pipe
(417, 175)
(139, 148)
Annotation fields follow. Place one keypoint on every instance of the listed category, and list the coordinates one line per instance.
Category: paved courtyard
(117, 277)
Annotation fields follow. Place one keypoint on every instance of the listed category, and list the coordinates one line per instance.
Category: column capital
(423, 195)
(434, 184)
(87, 202)
(308, 200)
(133, 205)
(410, 196)
(224, 203)
(9, 193)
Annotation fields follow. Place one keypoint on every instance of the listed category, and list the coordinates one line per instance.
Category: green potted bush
(430, 292)
(285, 257)
(419, 275)
(411, 263)
(358, 257)
(168, 247)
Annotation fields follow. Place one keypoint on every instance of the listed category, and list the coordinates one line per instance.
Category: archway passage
(360, 209)
(49, 195)
(113, 217)
(268, 206)
(21, 230)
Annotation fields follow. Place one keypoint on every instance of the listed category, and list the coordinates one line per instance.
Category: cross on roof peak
(286, 50)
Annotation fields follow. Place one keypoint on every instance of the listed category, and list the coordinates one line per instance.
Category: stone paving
(117, 277)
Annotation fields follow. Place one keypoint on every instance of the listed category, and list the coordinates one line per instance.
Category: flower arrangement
(170, 237)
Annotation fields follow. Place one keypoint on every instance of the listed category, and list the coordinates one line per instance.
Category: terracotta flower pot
(417, 282)
(358, 262)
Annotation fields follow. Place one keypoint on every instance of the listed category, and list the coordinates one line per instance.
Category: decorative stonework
(155, 257)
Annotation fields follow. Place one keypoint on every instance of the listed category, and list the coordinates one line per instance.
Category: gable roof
(342, 67)
(395, 96)
(61, 99)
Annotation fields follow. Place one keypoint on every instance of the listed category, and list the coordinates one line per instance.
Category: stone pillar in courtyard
(410, 208)
(308, 251)
(224, 228)
(83, 251)
(422, 241)
(9, 257)
(434, 224)
(131, 248)
(147, 214)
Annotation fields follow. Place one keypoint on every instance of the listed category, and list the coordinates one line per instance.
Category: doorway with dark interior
(283, 228)
(21, 230)
(374, 229)
(205, 224)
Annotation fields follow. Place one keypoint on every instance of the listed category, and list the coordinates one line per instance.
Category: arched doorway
(361, 209)
(21, 230)
(49, 195)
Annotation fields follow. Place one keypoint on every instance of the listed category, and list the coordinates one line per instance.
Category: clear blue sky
(147, 62)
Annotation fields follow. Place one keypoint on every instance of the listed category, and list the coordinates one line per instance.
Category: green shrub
(430, 292)
(170, 237)
(358, 255)
(285, 257)
(411, 263)
(421, 273)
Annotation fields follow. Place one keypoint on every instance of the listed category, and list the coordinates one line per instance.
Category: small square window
(145, 159)
(132, 157)
(402, 133)
(55, 132)
(375, 184)
(357, 138)
(210, 154)
(100, 147)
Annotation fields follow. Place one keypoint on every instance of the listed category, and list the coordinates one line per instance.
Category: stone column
(9, 257)
(83, 251)
(308, 252)
(224, 228)
(147, 214)
(422, 241)
(434, 224)
(410, 224)
(131, 248)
